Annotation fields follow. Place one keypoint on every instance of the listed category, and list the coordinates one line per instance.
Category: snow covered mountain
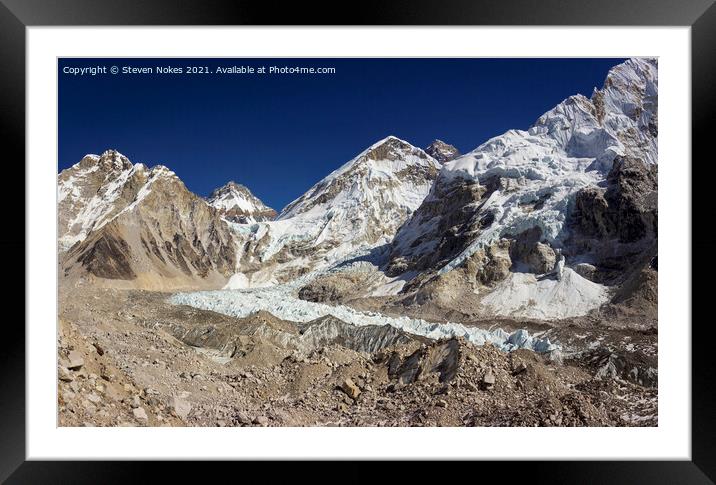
(131, 226)
(555, 221)
(510, 206)
(359, 206)
(237, 203)
(94, 190)
(141, 227)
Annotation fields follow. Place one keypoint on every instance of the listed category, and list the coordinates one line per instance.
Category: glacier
(280, 301)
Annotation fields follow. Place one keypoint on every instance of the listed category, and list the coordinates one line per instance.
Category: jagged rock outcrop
(490, 264)
(441, 151)
(627, 209)
(615, 226)
(279, 338)
(441, 359)
(530, 253)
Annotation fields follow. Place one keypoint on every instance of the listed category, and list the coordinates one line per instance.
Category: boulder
(541, 258)
(261, 420)
(492, 264)
(243, 418)
(140, 414)
(98, 348)
(179, 407)
(488, 380)
(528, 250)
(64, 375)
(75, 360)
(586, 270)
(350, 388)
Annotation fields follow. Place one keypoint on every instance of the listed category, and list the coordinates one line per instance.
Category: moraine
(280, 300)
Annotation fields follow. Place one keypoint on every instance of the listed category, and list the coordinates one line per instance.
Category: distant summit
(237, 204)
(441, 151)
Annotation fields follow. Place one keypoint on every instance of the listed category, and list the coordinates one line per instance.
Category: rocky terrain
(514, 285)
(130, 358)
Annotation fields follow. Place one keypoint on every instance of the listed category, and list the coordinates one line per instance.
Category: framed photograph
(427, 233)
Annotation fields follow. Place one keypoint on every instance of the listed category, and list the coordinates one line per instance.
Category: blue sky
(278, 134)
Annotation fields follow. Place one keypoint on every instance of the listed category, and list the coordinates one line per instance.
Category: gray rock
(519, 368)
(488, 380)
(441, 151)
(64, 374)
(541, 259)
(243, 418)
(98, 348)
(470, 386)
(140, 414)
(261, 420)
(585, 270)
(75, 360)
(179, 407)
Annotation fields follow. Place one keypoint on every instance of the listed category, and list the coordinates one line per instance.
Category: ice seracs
(529, 179)
(280, 301)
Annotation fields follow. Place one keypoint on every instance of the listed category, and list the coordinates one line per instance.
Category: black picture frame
(700, 15)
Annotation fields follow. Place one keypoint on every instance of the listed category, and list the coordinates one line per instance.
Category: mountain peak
(238, 204)
(228, 187)
(391, 148)
(441, 151)
(113, 160)
(384, 163)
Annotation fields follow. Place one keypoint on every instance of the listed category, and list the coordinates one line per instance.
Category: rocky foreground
(129, 358)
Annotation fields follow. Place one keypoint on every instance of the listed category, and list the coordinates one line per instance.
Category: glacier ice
(280, 300)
